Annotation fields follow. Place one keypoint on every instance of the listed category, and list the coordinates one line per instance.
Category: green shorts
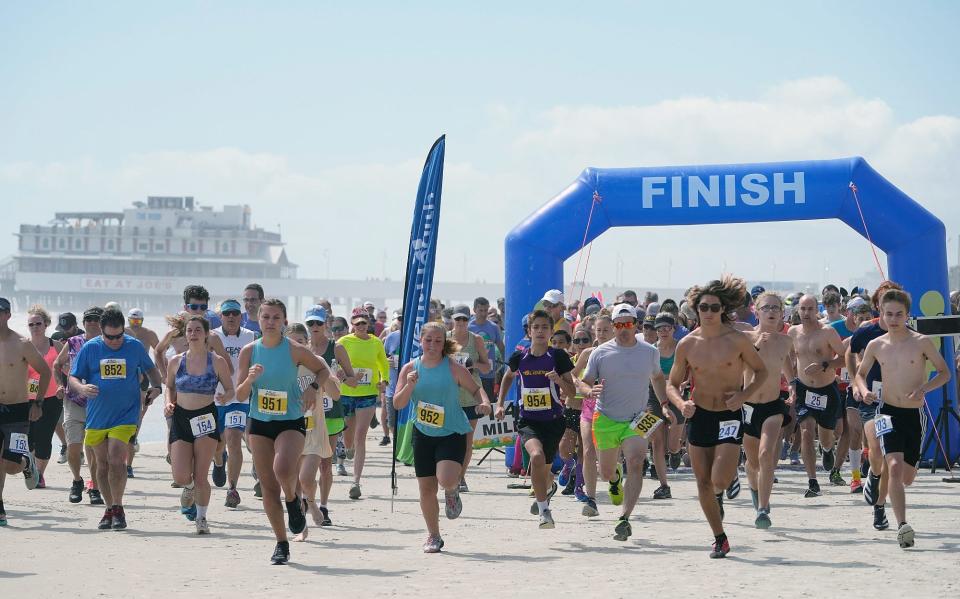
(609, 433)
(335, 426)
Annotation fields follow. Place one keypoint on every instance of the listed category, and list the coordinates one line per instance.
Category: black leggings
(41, 431)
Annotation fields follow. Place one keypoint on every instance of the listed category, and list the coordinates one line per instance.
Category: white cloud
(367, 207)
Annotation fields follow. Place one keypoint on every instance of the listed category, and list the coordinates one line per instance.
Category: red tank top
(33, 377)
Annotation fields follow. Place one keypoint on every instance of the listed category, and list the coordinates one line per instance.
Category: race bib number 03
(202, 425)
(536, 399)
(883, 424)
(815, 401)
(430, 415)
(646, 423)
(364, 376)
(236, 419)
(19, 443)
(272, 403)
(729, 429)
(113, 368)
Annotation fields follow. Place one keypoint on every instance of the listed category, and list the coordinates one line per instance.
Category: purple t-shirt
(539, 398)
(73, 348)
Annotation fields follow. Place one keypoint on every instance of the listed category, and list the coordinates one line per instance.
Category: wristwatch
(315, 385)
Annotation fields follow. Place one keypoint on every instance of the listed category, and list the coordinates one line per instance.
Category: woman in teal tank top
(267, 377)
(432, 383)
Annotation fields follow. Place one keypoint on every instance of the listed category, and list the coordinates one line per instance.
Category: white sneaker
(31, 474)
(202, 527)
(905, 536)
(546, 519)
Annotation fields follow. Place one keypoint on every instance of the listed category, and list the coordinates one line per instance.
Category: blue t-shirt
(858, 343)
(680, 331)
(840, 326)
(214, 319)
(116, 373)
(251, 325)
(492, 335)
(391, 345)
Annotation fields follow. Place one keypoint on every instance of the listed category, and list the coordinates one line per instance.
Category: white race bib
(202, 425)
(19, 443)
(364, 375)
(461, 357)
(327, 404)
(729, 429)
(536, 399)
(878, 390)
(815, 401)
(747, 413)
(882, 424)
(236, 419)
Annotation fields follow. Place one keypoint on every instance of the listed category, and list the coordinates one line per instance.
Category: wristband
(825, 364)
(315, 385)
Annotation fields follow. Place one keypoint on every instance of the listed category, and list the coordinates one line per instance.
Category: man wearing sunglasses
(715, 355)
(106, 373)
(252, 298)
(618, 372)
(232, 416)
(196, 301)
(16, 411)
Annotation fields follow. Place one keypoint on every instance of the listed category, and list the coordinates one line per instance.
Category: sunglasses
(338, 329)
(769, 308)
(230, 313)
(196, 306)
(113, 337)
(624, 325)
(358, 323)
(710, 307)
(315, 323)
(581, 340)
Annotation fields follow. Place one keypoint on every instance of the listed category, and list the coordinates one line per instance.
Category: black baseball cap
(67, 320)
(93, 313)
(4, 304)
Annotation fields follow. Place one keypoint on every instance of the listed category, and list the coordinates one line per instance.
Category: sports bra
(204, 384)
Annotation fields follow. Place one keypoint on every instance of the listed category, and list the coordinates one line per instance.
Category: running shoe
(296, 520)
(219, 474)
(763, 519)
(281, 554)
(534, 508)
(570, 486)
(566, 473)
(675, 460)
(119, 521)
(433, 544)
(63, 455)
(663, 492)
(167, 458)
(755, 498)
(462, 487)
(856, 486)
(864, 468)
(76, 491)
(340, 451)
(870, 488)
(579, 493)
(355, 491)
(107, 520)
(202, 527)
(794, 457)
(552, 490)
(653, 472)
(616, 488)
(341, 469)
(130, 472)
(325, 521)
(836, 479)
(384, 441)
(350, 453)
(905, 536)
(721, 548)
(880, 521)
(233, 498)
(546, 519)
(734, 489)
(189, 513)
(136, 445)
(623, 530)
(454, 506)
(829, 460)
(646, 466)
(186, 497)
(590, 508)
(813, 490)
(95, 497)
(31, 474)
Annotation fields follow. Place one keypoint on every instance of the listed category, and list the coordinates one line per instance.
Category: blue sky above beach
(310, 112)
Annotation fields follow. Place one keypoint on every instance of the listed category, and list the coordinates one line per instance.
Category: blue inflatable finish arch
(913, 239)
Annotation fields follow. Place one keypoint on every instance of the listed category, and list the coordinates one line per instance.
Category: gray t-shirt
(626, 373)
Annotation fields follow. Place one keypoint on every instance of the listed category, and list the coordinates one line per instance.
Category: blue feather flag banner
(421, 256)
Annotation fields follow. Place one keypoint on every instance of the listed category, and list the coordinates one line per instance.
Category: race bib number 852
(113, 368)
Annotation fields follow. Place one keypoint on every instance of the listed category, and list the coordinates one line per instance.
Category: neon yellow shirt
(369, 361)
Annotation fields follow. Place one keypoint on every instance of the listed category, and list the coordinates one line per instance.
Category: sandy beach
(823, 547)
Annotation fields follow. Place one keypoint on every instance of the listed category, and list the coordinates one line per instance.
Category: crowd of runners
(611, 393)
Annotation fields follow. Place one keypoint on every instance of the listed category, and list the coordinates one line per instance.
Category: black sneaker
(813, 490)
(871, 486)
(653, 471)
(734, 489)
(646, 466)
(76, 491)
(829, 460)
(374, 423)
(836, 479)
(675, 460)
(281, 554)
(721, 547)
(107, 520)
(296, 520)
(623, 530)
(119, 518)
(663, 492)
(326, 517)
(880, 518)
(570, 486)
(384, 441)
(95, 497)
(219, 474)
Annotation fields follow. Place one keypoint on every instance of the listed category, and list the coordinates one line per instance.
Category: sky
(319, 116)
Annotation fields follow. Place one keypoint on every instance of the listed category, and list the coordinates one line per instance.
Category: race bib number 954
(536, 399)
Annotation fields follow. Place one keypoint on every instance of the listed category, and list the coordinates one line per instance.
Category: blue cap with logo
(316, 313)
(228, 305)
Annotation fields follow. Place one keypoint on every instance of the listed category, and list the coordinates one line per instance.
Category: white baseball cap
(135, 313)
(554, 296)
(621, 310)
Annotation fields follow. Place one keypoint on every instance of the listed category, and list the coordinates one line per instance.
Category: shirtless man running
(716, 355)
(820, 352)
(149, 340)
(902, 355)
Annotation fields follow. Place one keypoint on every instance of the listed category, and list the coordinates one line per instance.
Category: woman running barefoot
(192, 379)
(432, 382)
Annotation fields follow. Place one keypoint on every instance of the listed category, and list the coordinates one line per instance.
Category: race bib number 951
(272, 403)
(113, 368)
